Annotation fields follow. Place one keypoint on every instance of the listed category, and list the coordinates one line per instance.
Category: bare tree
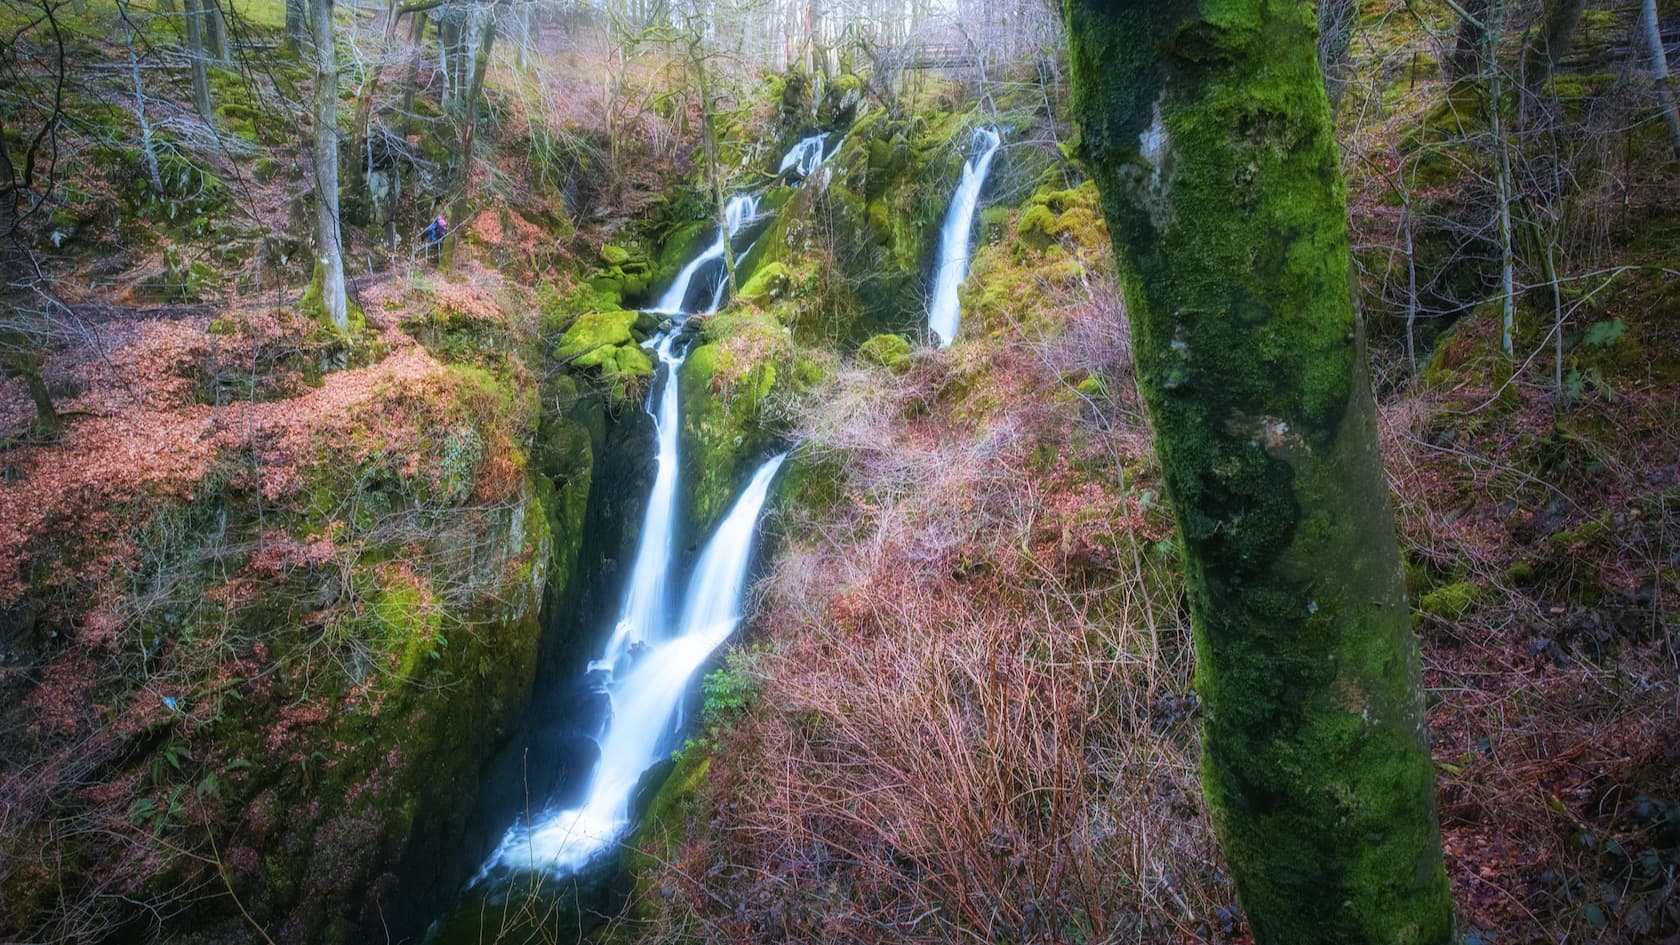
(196, 54)
(297, 25)
(1652, 29)
(328, 282)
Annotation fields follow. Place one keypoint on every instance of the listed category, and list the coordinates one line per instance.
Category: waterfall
(642, 614)
(806, 156)
(953, 238)
(737, 213)
(645, 698)
(649, 659)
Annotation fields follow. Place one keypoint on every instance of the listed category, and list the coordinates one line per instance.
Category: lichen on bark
(1207, 129)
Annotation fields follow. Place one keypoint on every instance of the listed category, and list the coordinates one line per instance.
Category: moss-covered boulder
(738, 371)
(889, 351)
(608, 345)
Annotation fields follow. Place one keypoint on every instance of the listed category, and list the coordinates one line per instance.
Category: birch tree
(1208, 132)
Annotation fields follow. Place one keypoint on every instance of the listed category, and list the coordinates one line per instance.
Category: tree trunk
(475, 91)
(148, 144)
(714, 175)
(1209, 137)
(416, 56)
(1493, 80)
(328, 283)
(215, 31)
(1551, 43)
(19, 360)
(297, 25)
(1659, 71)
(363, 117)
(195, 61)
(449, 55)
(1336, 19)
(1464, 59)
(469, 133)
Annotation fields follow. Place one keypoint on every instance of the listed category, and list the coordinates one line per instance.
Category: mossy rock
(1451, 601)
(767, 283)
(608, 344)
(889, 351)
(726, 384)
(594, 331)
(664, 823)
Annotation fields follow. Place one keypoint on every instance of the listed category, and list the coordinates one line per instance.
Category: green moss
(1450, 602)
(768, 283)
(606, 344)
(594, 332)
(663, 825)
(312, 309)
(1585, 534)
(1207, 130)
(889, 351)
(408, 624)
(727, 382)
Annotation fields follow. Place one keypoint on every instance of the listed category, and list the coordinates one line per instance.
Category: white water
(953, 239)
(642, 614)
(807, 156)
(737, 213)
(649, 661)
(645, 699)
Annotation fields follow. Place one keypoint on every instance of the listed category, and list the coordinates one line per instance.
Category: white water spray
(953, 238)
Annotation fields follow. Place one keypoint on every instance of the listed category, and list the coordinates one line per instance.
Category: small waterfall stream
(651, 656)
(944, 313)
(738, 211)
(646, 685)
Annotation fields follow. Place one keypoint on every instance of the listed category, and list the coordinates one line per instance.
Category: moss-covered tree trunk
(1552, 41)
(1207, 129)
(19, 358)
(297, 25)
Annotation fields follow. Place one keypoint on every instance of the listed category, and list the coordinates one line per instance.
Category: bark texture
(1553, 40)
(327, 287)
(297, 25)
(1208, 132)
(1652, 28)
(195, 61)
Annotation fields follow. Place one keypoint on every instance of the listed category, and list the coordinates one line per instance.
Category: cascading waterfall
(738, 211)
(806, 156)
(645, 696)
(953, 238)
(643, 612)
(649, 660)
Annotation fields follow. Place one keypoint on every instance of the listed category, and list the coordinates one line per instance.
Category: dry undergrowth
(974, 720)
